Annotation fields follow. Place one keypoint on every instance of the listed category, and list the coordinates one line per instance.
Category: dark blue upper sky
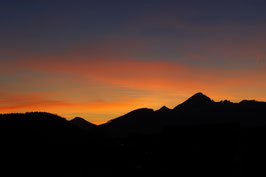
(52, 25)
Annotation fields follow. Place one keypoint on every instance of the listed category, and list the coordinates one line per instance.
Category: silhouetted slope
(38, 144)
(133, 122)
(37, 127)
(133, 115)
(200, 137)
(202, 110)
(196, 110)
(196, 101)
(81, 123)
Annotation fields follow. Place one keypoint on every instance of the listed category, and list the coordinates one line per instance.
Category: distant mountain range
(199, 137)
(197, 110)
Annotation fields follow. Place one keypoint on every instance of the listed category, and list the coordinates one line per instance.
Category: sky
(101, 59)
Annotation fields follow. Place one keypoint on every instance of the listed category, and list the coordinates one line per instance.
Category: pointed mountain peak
(199, 99)
(163, 109)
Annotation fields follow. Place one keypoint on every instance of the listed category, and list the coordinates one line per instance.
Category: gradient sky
(101, 59)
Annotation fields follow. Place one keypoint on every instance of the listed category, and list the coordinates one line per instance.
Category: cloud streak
(89, 83)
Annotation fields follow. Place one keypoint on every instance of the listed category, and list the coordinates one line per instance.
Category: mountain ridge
(197, 109)
(206, 138)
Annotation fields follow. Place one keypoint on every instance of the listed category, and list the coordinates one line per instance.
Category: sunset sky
(101, 59)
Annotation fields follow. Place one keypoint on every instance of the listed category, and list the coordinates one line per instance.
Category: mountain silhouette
(198, 109)
(133, 115)
(83, 124)
(37, 127)
(196, 101)
(197, 137)
(163, 109)
(135, 121)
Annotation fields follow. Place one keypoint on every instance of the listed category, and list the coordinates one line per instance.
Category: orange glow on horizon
(124, 85)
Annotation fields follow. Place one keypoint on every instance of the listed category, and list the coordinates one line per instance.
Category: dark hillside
(197, 137)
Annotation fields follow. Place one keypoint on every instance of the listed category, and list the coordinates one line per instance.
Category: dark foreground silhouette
(199, 137)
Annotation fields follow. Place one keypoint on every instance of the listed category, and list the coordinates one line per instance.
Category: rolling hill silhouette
(82, 123)
(37, 127)
(197, 137)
